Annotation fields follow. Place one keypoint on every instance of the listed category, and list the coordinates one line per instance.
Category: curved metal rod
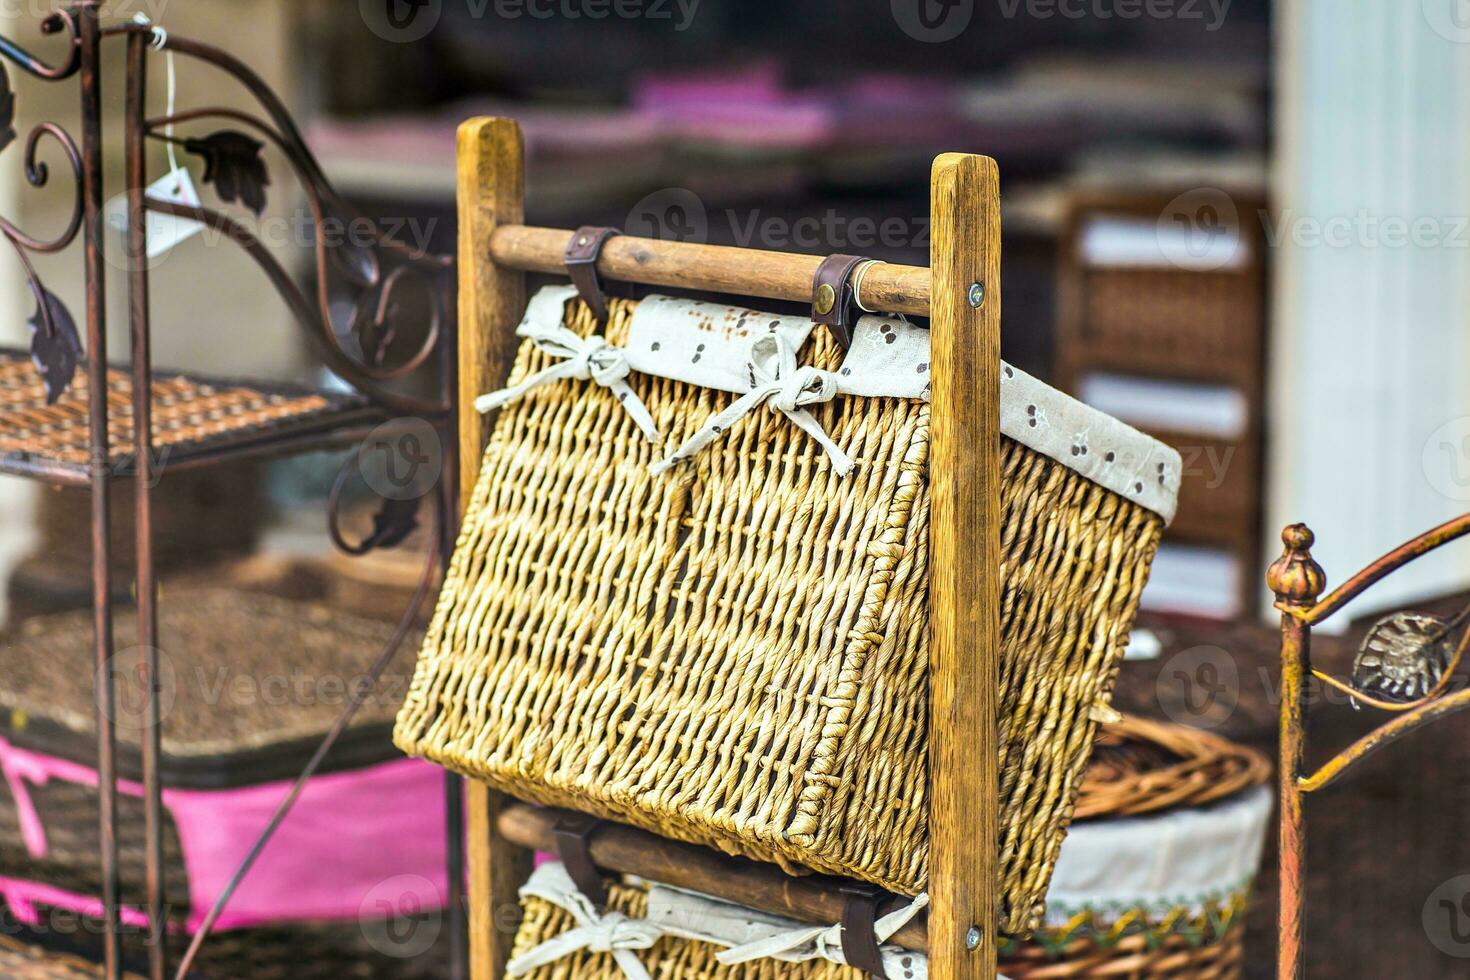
(276, 110)
(322, 256)
(320, 250)
(354, 702)
(334, 505)
(381, 315)
(55, 23)
(313, 191)
(37, 174)
(309, 172)
(1383, 735)
(1391, 562)
(300, 307)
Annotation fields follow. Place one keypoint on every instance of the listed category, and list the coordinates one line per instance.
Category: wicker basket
(1141, 766)
(733, 653)
(213, 742)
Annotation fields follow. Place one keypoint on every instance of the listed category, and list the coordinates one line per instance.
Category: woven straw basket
(734, 653)
(212, 740)
(1140, 767)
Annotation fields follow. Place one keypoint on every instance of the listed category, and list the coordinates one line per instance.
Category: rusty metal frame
(1298, 582)
(377, 271)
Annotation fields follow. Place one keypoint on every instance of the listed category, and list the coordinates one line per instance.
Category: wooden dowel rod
(626, 850)
(713, 268)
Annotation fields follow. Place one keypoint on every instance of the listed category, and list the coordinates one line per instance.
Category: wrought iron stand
(1406, 666)
(378, 274)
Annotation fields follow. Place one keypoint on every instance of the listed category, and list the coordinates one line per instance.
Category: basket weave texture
(300, 661)
(1138, 766)
(1206, 950)
(734, 653)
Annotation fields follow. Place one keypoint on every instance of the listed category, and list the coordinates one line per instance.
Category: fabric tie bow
(776, 377)
(596, 932)
(583, 359)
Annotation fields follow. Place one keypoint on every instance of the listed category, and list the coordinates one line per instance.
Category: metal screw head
(972, 938)
(977, 294)
(826, 299)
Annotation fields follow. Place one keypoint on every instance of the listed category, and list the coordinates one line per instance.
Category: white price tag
(164, 230)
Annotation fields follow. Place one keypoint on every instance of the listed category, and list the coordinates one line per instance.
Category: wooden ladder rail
(960, 293)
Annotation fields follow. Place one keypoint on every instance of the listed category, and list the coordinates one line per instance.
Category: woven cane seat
(250, 683)
(191, 417)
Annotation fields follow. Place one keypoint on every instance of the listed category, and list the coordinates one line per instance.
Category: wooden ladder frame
(960, 293)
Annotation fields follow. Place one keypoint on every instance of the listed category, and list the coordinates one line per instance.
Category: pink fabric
(24, 896)
(348, 834)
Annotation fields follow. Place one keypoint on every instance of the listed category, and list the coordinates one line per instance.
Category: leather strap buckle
(833, 295)
(573, 835)
(859, 938)
(580, 259)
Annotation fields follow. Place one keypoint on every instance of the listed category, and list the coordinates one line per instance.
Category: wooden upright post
(492, 298)
(964, 566)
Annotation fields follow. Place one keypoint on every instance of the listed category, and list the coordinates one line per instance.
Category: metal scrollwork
(56, 346)
(382, 336)
(56, 22)
(395, 519)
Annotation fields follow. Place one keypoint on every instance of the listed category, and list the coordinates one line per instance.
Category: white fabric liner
(750, 353)
(1179, 859)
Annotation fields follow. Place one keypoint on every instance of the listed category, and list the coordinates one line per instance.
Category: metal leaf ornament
(393, 523)
(56, 348)
(7, 111)
(234, 164)
(1403, 658)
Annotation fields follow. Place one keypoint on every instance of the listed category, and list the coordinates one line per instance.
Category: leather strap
(573, 836)
(832, 295)
(859, 941)
(580, 259)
